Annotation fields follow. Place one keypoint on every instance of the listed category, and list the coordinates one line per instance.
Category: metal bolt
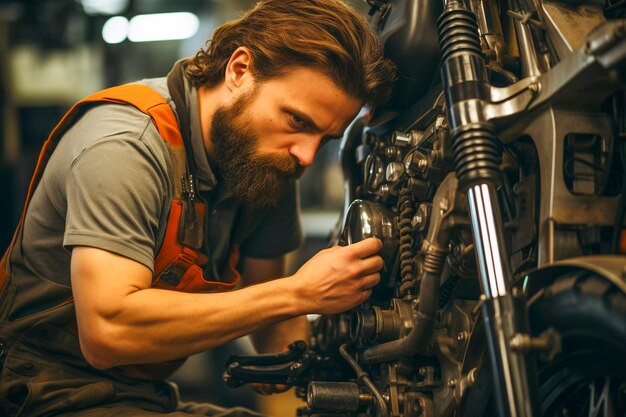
(384, 191)
(461, 337)
(418, 221)
(394, 171)
(452, 383)
(534, 88)
(440, 122)
(416, 162)
(422, 371)
(400, 138)
(391, 152)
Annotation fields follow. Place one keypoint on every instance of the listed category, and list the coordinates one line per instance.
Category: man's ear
(239, 69)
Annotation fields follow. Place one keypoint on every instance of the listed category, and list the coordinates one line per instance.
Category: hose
(364, 378)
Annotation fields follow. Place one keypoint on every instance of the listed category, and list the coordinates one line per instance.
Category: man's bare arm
(275, 337)
(122, 320)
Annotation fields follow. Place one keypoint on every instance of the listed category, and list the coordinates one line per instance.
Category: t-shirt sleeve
(279, 232)
(115, 191)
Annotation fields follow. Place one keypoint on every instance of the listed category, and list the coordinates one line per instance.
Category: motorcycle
(496, 179)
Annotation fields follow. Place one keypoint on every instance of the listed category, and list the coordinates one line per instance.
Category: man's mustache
(286, 166)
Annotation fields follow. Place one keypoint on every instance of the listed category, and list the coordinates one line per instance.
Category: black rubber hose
(364, 378)
(423, 326)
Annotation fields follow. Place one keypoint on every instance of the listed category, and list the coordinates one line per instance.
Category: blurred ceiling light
(115, 30)
(151, 27)
(110, 7)
(163, 26)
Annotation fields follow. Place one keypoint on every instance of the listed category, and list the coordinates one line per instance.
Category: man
(134, 229)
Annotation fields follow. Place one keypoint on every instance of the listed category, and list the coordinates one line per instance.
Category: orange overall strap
(144, 98)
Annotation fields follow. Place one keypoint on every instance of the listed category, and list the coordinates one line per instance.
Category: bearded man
(159, 225)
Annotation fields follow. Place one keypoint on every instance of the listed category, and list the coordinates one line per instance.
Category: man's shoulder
(114, 123)
(159, 85)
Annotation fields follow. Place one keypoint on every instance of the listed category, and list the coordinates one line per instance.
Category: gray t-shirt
(107, 185)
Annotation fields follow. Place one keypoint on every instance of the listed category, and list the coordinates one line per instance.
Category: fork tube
(477, 154)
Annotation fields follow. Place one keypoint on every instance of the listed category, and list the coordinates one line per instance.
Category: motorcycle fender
(611, 267)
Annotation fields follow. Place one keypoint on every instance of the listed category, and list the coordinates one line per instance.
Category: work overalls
(43, 369)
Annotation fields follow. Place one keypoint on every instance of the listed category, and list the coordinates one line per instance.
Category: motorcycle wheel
(588, 377)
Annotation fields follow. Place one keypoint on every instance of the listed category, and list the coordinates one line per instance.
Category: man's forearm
(122, 320)
(155, 325)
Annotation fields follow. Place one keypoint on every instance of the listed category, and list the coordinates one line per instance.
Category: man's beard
(258, 181)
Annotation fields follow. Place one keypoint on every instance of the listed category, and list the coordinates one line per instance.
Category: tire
(588, 377)
(590, 315)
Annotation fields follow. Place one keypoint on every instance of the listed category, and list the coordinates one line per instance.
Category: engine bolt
(461, 337)
(400, 138)
(417, 221)
(440, 122)
(452, 383)
(384, 191)
(392, 152)
(417, 163)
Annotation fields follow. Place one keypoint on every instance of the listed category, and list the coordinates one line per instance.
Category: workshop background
(54, 52)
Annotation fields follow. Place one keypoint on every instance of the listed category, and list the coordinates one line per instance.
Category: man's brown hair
(326, 35)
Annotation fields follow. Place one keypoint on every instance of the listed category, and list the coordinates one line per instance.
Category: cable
(364, 378)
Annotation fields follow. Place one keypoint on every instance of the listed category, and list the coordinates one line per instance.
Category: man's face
(271, 132)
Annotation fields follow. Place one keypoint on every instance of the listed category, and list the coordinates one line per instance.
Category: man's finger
(372, 264)
(370, 280)
(366, 247)
(268, 389)
(365, 295)
(281, 388)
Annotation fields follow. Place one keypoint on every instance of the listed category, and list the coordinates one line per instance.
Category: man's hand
(269, 389)
(340, 278)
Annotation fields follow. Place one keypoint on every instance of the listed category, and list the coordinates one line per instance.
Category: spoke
(599, 408)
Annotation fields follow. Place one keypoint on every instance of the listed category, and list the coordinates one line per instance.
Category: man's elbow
(99, 348)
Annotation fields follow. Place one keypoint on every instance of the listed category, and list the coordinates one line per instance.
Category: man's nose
(305, 151)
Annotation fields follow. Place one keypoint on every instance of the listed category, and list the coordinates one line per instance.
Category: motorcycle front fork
(503, 314)
(477, 154)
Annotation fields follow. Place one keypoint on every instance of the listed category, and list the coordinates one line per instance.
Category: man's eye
(297, 121)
